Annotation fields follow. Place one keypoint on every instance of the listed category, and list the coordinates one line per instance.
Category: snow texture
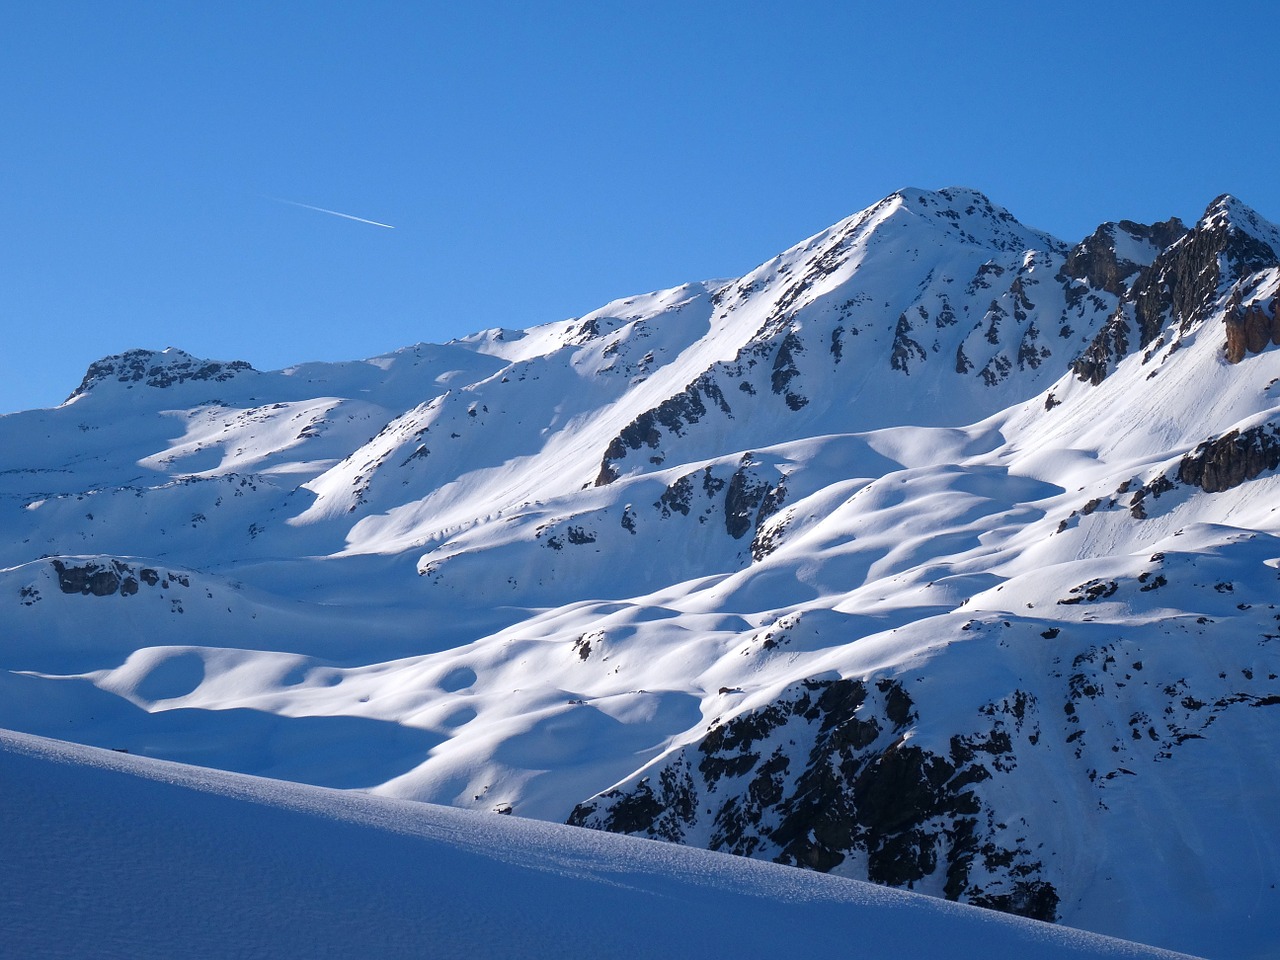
(933, 551)
(111, 856)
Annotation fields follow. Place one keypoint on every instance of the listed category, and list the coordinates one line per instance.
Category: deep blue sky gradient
(539, 159)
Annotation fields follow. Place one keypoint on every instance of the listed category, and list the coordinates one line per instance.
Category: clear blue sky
(539, 159)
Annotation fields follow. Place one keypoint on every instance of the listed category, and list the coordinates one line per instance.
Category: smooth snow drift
(112, 856)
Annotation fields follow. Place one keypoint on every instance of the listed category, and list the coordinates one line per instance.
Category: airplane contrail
(345, 216)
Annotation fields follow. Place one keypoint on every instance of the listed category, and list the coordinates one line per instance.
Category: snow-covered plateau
(934, 552)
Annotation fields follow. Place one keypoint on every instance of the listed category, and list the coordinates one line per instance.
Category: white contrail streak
(345, 216)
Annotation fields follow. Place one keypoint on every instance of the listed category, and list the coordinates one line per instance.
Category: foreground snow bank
(110, 855)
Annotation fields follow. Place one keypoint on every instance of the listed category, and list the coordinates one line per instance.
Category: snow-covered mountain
(934, 551)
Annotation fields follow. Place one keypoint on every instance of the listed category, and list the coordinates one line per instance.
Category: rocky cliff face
(1251, 330)
(856, 788)
(1181, 287)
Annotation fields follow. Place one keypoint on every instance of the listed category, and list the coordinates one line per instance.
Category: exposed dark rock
(1095, 261)
(1229, 460)
(904, 347)
(857, 785)
(88, 579)
(946, 315)
(769, 536)
(983, 277)
(1251, 330)
(995, 314)
(749, 500)
(1029, 898)
(629, 520)
(1180, 287)
(740, 503)
(1091, 592)
(672, 415)
(784, 366)
(996, 370)
(837, 345)
(1156, 486)
(154, 369)
(105, 578)
(661, 815)
(1110, 345)
(1030, 353)
(677, 497)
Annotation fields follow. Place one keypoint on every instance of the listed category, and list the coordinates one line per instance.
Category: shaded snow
(111, 856)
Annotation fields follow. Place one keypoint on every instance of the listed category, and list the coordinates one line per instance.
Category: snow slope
(933, 551)
(112, 856)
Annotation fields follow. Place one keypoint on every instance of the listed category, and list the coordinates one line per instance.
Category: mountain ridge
(839, 563)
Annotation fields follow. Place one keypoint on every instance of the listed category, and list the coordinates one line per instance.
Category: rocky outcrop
(905, 350)
(105, 578)
(827, 772)
(1229, 460)
(1096, 261)
(1107, 348)
(152, 369)
(750, 499)
(1180, 288)
(1219, 464)
(785, 370)
(1251, 330)
(672, 415)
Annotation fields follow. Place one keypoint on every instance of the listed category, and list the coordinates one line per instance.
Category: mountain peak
(1234, 216)
(969, 216)
(156, 368)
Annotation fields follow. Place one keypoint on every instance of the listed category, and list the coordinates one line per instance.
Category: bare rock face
(785, 370)
(1096, 261)
(672, 416)
(750, 499)
(1215, 466)
(905, 349)
(92, 578)
(1251, 330)
(857, 787)
(1180, 287)
(105, 578)
(1231, 459)
(155, 369)
(1111, 343)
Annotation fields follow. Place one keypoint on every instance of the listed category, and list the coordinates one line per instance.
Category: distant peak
(1248, 240)
(1226, 205)
(949, 196)
(156, 368)
(1229, 211)
(970, 217)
